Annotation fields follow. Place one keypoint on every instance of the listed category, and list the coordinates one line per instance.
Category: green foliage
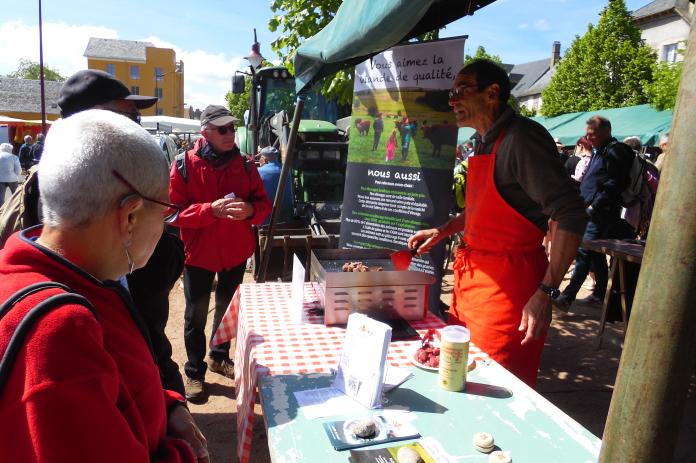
(29, 69)
(296, 20)
(608, 67)
(663, 90)
(481, 53)
(237, 103)
(526, 112)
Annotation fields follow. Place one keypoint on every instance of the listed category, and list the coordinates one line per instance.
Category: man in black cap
(150, 285)
(222, 196)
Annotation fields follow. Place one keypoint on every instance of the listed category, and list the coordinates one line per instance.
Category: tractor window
(280, 95)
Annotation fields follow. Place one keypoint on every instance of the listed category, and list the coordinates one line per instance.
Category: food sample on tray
(359, 267)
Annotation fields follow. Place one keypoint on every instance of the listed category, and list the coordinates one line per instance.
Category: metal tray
(387, 294)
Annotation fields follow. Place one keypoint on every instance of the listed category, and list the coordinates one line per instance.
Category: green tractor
(318, 166)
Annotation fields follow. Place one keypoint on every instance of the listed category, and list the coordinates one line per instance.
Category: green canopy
(363, 28)
(640, 121)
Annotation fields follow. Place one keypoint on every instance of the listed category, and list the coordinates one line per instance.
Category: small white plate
(472, 363)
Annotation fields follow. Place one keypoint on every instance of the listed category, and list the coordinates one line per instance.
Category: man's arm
(536, 315)
(424, 240)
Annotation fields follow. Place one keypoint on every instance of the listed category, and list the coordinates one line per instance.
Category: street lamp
(158, 77)
(255, 59)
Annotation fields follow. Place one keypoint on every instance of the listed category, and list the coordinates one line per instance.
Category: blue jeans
(597, 228)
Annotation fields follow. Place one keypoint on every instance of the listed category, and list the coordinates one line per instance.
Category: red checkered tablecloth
(271, 342)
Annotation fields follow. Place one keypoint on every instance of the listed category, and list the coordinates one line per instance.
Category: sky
(213, 36)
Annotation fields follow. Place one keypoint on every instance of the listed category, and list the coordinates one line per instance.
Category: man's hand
(234, 209)
(536, 317)
(424, 240)
(180, 425)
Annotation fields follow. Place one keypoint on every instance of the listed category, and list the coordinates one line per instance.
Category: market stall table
(520, 420)
(271, 342)
(621, 251)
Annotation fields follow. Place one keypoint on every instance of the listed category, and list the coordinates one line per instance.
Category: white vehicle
(168, 146)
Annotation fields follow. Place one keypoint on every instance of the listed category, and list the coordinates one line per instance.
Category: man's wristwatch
(553, 293)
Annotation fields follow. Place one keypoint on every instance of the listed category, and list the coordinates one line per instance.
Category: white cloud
(542, 25)
(207, 76)
(523, 26)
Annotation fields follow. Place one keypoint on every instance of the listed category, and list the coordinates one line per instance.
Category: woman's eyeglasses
(172, 211)
(222, 130)
(457, 93)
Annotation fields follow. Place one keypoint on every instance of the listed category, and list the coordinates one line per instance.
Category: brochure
(429, 450)
(386, 429)
(361, 369)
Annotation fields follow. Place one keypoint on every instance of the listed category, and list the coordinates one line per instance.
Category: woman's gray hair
(75, 172)
(6, 147)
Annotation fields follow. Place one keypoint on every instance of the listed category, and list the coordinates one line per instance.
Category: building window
(111, 69)
(135, 72)
(158, 73)
(158, 93)
(669, 53)
(135, 90)
(159, 111)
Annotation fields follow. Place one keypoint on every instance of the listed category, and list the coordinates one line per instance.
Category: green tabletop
(520, 420)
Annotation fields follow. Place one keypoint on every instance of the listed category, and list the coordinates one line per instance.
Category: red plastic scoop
(401, 260)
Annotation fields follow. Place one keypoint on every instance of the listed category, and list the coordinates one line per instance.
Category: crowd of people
(114, 227)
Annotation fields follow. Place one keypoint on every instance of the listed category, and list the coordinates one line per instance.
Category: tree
(663, 90)
(297, 20)
(481, 53)
(28, 69)
(608, 67)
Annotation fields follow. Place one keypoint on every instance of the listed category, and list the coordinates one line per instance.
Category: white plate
(472, 363)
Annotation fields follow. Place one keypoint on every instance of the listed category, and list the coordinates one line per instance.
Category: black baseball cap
(217, 115)
(90, 87)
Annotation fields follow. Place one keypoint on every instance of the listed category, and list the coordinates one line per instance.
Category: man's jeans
(198, 284)
(3, 188)
(589, 260)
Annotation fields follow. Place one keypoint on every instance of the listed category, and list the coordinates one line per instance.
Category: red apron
(497, 270)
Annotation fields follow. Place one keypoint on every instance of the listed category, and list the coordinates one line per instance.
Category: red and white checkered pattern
(270, 342)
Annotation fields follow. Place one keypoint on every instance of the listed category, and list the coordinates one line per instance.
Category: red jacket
(210, 242)
(80, 389)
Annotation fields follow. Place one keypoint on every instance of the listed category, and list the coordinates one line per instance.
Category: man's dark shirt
(25, 155)
(529, 176)
(378, 125)
(606, 176)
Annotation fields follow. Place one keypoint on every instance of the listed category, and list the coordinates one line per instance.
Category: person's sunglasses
(457, 93)
(132, 115)
(172, 211)
(222, 130)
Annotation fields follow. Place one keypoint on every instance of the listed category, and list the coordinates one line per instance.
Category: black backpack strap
(247, 164)
(20, 333)
(180, 160)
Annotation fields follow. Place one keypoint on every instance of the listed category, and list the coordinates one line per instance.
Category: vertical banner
(401, 150)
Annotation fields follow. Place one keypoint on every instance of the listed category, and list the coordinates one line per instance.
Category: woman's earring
(130, 261)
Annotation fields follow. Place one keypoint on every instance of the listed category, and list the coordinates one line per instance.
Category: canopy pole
(658, 355)
(280, 191)
(41, 73)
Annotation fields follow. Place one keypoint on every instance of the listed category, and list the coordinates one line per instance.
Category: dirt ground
(574, 376)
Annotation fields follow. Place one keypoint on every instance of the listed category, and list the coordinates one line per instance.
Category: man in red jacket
(222, 196)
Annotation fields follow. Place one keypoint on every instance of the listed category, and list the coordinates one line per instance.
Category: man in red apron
(504, 282)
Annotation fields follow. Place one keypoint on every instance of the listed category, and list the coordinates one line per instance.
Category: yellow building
(144, 68)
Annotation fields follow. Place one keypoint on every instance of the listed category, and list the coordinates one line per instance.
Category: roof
(531, 72)
(126, 50)
(653, 8)
(24, 96)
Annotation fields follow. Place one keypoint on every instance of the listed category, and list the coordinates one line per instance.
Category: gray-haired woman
(84, 385)
(10, 170)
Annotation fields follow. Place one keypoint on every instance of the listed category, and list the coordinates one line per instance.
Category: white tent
(170, 124)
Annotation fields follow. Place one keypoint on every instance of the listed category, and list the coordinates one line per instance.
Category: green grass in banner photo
(433, 139)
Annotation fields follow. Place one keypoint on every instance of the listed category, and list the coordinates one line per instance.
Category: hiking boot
(591, 299)
(223, 367)
(195, 390)
(562, 303)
